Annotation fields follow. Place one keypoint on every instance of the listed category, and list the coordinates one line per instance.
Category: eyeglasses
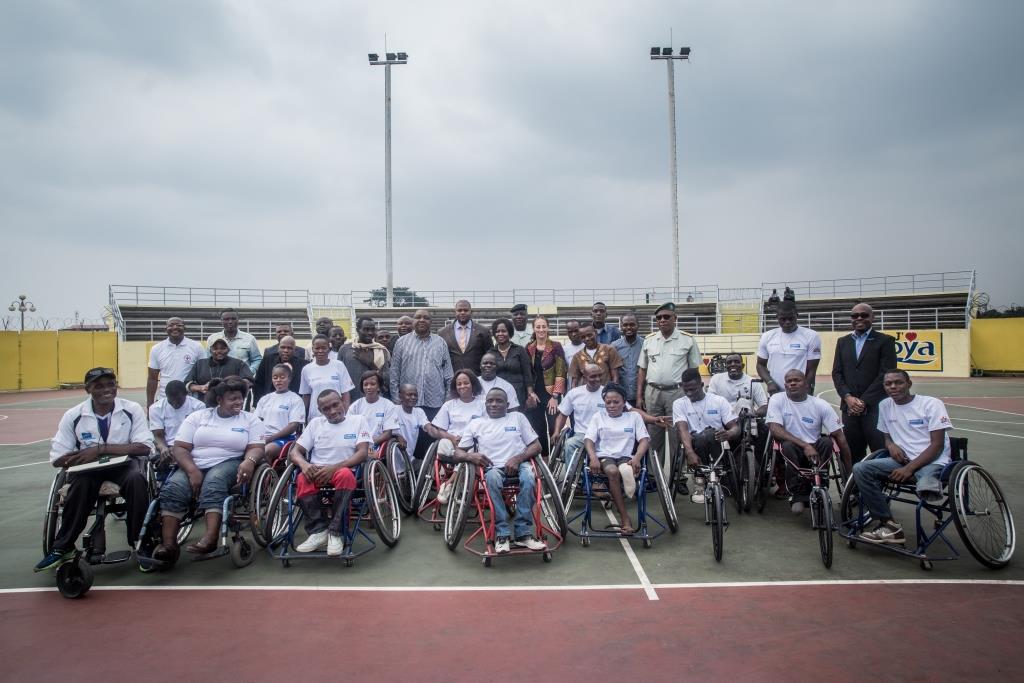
(667, 316)
(855, 316)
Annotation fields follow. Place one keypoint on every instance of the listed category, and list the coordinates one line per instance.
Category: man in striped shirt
(422, 360)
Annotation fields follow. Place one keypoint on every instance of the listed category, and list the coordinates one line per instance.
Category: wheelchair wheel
(551, 508)
(668, 505)
(460, 503)
(384, 509)
(260, 492)
(571, 481)
(981, 515)
(556, 458)
(851, 519)
(74, 578)
(51, 521)
(764, 478)
(821, 515)
(716, 503)
(242, 553)
(276, 521)
(676, 471)
(734, 480)
(400, 467)
(425, 478)
(748, 463)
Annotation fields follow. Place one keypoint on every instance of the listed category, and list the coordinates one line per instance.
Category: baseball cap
(96, 373)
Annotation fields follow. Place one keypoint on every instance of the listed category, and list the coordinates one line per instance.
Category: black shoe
(682, 489)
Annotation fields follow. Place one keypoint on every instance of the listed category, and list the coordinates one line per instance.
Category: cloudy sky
(241, 144)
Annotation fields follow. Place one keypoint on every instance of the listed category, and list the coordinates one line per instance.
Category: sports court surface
(768, 611)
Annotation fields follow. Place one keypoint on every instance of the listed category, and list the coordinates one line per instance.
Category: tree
(403, 297)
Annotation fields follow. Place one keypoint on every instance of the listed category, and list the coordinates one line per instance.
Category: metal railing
(145, 295)
(916, 283)
(887, 319)
(330, 300)
(155, 329)
(558, 297)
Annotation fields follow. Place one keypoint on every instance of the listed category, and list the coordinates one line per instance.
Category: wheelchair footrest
(116, 557)
(221, 551)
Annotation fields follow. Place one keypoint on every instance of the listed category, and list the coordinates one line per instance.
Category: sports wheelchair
(374, 501)
(974, 503)
(433, 474)
(578, 479)
(470, 496)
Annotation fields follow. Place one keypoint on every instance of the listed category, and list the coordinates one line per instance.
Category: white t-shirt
(713, 411)
(571, 350)
(615, 437)
(805, 419)
(215, 439)
(380, 416)
(317, 378)
(162, 415)
(582, 404)
(910, 425)
(787, 352)
(174, 361)
(503, 384)
(279, 410)
(733, 390)
(329, 444)
(455, 414)
(500, 439)
(409, 424)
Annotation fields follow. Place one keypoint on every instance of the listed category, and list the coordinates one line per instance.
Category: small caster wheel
(926, 565)
(437, 526)
(286, 563)
(547, 557)
(487, 562)
(74, 578)
(851, 543)
(348, 561)
(585, 541)
(242, 553)
(648, 543)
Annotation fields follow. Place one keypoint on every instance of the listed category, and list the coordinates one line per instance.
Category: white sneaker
(531, 543)
(445, 492)
(313, 543)
(502, 545)
(697, 497)
(335, 544)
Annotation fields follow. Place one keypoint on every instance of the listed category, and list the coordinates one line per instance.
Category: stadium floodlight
(373, 56)
(20, 304)
(666, 54)
(392, 58)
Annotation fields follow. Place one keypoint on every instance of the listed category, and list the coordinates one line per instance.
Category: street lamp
(665, 53)
(21, 305)
(390, 58)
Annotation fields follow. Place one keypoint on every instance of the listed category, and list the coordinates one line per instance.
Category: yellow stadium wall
(997, 344)
(46, 360)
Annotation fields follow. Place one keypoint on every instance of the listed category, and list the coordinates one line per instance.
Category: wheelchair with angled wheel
(434, 473)
(972, 502)
(374, 502)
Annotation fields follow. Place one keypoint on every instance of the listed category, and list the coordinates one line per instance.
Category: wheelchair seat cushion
(108, 489)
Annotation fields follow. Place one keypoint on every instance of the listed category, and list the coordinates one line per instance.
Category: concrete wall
(47, 360)
(133, 356)
(997, 344)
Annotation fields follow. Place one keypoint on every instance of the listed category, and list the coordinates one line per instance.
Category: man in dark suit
(467, 342)
(860, 363)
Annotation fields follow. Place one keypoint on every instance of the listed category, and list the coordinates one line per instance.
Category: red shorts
(343, 479)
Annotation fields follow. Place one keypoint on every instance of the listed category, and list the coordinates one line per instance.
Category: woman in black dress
(513, 363)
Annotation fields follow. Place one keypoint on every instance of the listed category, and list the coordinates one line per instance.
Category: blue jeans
(573, 444)
(495, 477)
(872, 475)
(176, 494)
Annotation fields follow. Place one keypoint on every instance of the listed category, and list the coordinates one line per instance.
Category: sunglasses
(855, 316)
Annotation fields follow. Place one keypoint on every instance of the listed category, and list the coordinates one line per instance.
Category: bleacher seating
(148, 323)
(946, 310)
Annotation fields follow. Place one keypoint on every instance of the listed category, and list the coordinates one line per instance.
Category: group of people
(489, 387)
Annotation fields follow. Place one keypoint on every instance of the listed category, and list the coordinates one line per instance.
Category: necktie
(463, 334)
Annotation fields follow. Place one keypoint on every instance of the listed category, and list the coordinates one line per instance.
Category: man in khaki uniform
(663, 357)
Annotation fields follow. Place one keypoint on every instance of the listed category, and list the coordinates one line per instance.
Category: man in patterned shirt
(422, 360)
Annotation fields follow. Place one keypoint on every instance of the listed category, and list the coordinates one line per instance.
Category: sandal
(200, 548)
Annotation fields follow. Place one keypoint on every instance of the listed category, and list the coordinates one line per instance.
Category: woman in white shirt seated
(611, 436)
(215, 449)
(466, 404)
(381, 415)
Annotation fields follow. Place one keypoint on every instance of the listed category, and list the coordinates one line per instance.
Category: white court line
(635, 561)
(978, 431)
(30, 443)
(28, 464)
(995, 422)
(3, 417)
(987, 410)
(526, 589)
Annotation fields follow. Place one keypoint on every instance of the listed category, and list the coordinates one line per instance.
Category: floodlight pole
(666, 54)
(391, 58)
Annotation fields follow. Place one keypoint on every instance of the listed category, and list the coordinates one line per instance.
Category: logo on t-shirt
(808, 420)
(239, 429)
(796, 345)
(188, 358)
(349, 436)
(511, 429)
(917, 422)
(86, 435)
(628, 430)
(283, 406)
(712, 412)
(381, 414)
(336, 378)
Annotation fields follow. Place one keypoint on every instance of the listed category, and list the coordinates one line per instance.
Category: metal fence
(144, 295)
(917, 283)
(482, 298)
(888, 319)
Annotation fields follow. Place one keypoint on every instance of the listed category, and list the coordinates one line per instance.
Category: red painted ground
(25, 425)
(791, 633)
